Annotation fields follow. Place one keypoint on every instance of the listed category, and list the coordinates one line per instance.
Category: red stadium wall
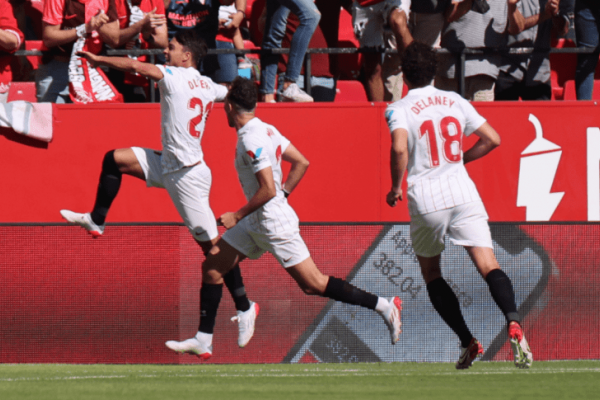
(68, 298)
(347, 145)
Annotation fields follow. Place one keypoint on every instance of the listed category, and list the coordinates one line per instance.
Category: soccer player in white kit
(427, 129)
(186, 101)
(268, 223)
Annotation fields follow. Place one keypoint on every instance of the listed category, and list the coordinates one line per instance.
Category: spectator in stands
(468, 28)
(64, 22)
(427, 21)
(203, 17)
(143, 25)
(277, 12)
(10, 40)
(425, 24)
(234, 36)
(527, 76)
(323, 66)
(587, 34)
(372, 20)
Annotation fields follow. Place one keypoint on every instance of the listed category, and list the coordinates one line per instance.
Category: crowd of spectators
(383, 28)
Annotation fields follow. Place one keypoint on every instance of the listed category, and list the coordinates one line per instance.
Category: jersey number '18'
(451, 135)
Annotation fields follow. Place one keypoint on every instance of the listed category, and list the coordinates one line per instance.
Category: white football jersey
(436, 122)
(260, 146)
(186, 99)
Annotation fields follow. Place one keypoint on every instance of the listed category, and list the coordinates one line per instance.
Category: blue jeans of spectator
(277, 15)
(587, 22)
(52, 82)
(227, 65)
(321, 88)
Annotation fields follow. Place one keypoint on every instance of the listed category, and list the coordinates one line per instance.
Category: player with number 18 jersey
(436, 122)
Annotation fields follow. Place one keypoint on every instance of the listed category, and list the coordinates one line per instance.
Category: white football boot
(521, 351)
(200, 345)
(392, 318)
(246, 321)
(83, 220)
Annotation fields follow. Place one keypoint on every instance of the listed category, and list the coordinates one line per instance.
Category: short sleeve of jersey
(256, 153)
(169, 77)
(217, 90)
(396, 118)
(220, 92)
(284, 143)
(472, 118)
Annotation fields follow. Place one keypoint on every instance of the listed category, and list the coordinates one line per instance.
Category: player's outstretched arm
(124, 64)
(265, 192)
(398, 163)
(299, 166)
(488, 141)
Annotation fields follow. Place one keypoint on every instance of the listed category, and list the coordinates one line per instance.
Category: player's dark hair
(193, 43)
(243, 94)
(419, 64)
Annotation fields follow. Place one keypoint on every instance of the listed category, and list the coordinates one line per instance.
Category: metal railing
(461, 55)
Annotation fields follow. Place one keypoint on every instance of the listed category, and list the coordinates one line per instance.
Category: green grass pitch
(485, 380)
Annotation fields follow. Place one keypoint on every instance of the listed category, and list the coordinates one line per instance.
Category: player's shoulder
(171, 72)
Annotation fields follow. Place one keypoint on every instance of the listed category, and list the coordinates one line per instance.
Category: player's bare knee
(485, 269)
(311, 289)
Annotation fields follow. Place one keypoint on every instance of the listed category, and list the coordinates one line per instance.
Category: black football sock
(446, 304)
(110, 182)
(503, 294)
(340, 290)
(210, 297)
(235, 285)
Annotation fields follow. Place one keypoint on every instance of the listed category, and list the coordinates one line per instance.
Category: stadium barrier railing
(461, 55)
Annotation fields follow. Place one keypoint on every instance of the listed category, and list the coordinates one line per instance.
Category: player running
(427, 129)
(185, 103)
(268, 223)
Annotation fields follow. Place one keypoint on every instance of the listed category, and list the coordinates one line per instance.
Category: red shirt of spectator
(69, 14)
(9, 24)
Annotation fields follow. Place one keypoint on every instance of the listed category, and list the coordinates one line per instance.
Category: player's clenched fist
(393, 197)
(228, 220)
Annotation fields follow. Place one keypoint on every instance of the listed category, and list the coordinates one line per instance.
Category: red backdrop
(347, 145)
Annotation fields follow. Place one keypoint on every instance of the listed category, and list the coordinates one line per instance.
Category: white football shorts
(370, 22)
(287, 247)
(466, 225)
(189, 189)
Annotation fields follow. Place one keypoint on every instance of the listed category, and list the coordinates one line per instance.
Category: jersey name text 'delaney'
(422, 104)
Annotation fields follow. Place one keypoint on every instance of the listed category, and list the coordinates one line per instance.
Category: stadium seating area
(349, 88)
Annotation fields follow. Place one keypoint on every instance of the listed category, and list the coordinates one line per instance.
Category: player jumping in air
(268, 223)
(185, 103)
(427, 128)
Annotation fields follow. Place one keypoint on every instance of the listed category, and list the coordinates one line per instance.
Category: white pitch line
(330, 372)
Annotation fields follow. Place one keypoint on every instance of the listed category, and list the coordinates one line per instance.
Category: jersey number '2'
(450, 132)
(194, 122)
